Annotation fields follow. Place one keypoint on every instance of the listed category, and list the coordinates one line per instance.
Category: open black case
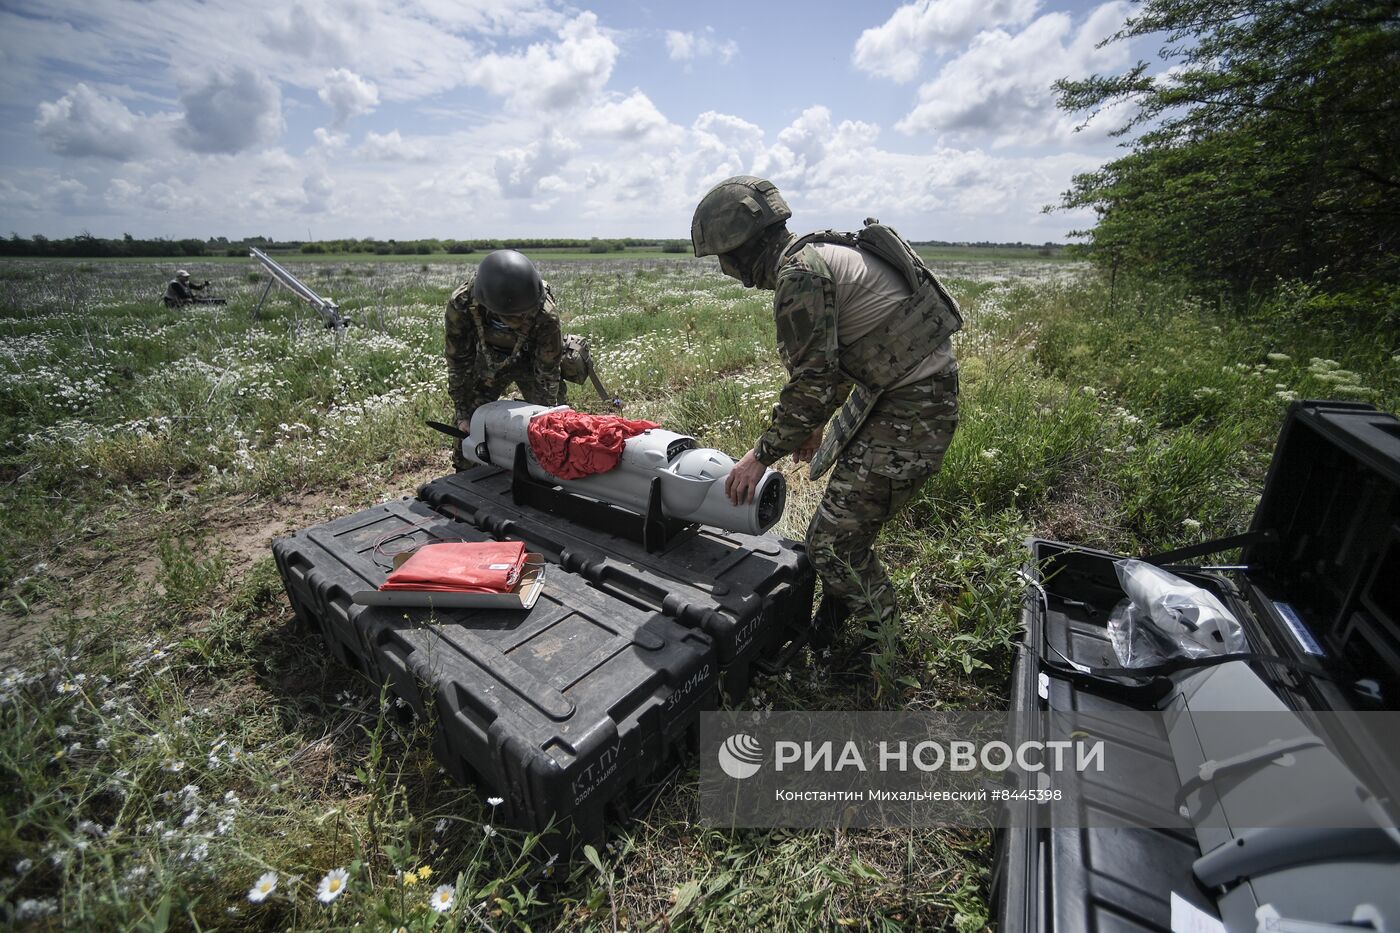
(1317, 589)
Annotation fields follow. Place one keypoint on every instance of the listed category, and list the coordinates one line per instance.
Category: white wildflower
(443, 897)
(264, 886)
(332, 885)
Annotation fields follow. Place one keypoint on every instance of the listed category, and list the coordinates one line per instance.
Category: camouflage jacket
(804, 309)
(180, 292)
(483, 353)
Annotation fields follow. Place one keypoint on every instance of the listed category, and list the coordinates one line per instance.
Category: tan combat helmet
(734, 212)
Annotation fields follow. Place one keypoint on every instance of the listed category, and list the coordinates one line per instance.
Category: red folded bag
(571, 444)
(461, 567)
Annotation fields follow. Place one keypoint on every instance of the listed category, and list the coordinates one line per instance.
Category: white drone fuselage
(691, 478)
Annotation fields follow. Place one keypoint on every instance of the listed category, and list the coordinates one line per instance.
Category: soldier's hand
(808, 450)
(464, 425)
(743, 479)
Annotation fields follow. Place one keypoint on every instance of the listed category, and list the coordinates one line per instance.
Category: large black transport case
(571, 711)
(752, 594)
(1317, 589)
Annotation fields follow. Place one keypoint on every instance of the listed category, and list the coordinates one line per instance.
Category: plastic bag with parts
(1165, 618)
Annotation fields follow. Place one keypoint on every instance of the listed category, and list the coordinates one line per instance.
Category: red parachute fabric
(461, 567)
(570, 444)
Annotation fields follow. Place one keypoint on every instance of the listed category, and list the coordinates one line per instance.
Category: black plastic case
(571, 711)
(751, 594)
(1318, 589)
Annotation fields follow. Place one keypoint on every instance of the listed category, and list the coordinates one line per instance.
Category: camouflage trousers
(900, 445)
(488, 387)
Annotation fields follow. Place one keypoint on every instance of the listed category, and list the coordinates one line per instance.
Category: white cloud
(230, 111)
(722, 141)
(686, 46)
(1002, 85)
(317, 189)
(496, 17)
(895, 48)
(85, 123)
(348, 95)
(805, 143)
(330, 140)
(311, 31)
(393, 147)
(519, 172)
(633, 117)
(550, 76)
(45, 192)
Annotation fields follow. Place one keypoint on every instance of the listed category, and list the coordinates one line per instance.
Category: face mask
(730, 265)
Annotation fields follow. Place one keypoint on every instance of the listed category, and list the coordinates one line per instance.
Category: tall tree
(1267, 149)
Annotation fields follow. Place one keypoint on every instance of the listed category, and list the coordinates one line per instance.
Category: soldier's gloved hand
(743, 479)
(808, 450)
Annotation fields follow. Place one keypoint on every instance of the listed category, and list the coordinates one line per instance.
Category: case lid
(1331, 570)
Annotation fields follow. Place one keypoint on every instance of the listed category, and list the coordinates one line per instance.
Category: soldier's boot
(825, 625)
(842, 657)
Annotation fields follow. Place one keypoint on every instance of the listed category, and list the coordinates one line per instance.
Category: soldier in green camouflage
(861, 324)
(503, 328)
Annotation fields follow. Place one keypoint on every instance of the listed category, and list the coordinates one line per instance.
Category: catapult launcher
(327, 309)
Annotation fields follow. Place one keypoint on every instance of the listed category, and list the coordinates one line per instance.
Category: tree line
(85, 245)
(1267, 151)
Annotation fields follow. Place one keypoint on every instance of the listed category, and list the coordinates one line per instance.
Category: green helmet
(508, 284)
(735, 211)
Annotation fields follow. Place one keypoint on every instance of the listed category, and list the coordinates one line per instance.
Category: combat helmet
(508, 284)
(734, 212)
(182, 275)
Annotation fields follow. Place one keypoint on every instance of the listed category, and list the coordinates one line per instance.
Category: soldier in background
(860, 319)
(502, 328)
(181, 291)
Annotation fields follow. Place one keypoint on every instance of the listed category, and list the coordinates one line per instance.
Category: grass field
(168, 737)
(956, 253)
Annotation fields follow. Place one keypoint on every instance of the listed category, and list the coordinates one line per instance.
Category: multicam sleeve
(461, 351)
(548, 351)
(804, 308)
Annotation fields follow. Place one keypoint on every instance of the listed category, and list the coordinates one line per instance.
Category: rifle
(329, 310)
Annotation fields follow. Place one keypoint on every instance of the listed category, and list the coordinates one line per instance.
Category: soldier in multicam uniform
(502, 327)
(181, 291)
(860, 319)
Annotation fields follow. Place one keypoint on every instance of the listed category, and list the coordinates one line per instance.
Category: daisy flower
(442, 898)
(263, 887)
(333, 885)
(495, 801)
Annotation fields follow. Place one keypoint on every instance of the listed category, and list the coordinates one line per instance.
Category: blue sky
(468, 118)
